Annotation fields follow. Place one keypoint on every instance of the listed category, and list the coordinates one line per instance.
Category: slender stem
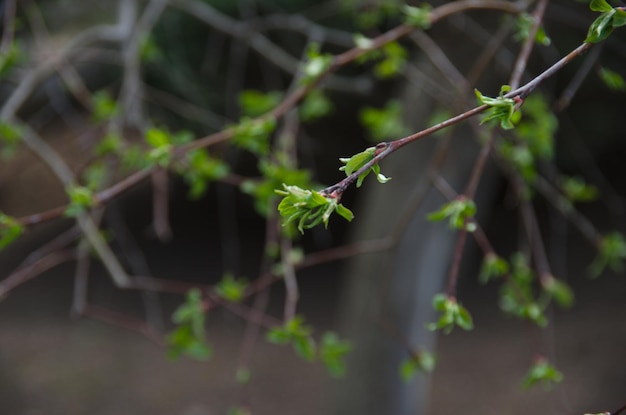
(527, 47)
(456, 262)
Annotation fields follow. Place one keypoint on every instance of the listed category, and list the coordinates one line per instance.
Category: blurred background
(183, 65)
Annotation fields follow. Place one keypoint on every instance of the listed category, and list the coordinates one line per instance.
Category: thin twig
(124, 321)
(38, 267)
(9, 26)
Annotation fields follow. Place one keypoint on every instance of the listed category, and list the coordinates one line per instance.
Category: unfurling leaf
(309, 208)
(452, 314)
(502, 109)
(358, 161)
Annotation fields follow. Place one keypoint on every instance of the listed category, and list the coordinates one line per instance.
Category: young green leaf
(149, 51)
(81, 199)
(104, 107)
(315, 106)
(542, 372)
(275, 171)
(523, 25)
(10, 230)
(358, 161)
(333, 352)
(10, 137)
(459, 213)
(538, 127)
(502, 110)
(418, 16)
(308, 208)
(560, 292)
(315, 65)
(612, 79)
(384, 123)
(254, 135)
(111, 143)
(231, 289)
(160, 142)
(452, 314)
(600, 6)
(189, 338)
(576, 189)
(10, 58)
(298, 334)
(254, 103)
(199, 169)
(394, 60)
(422, 362)
(493, 267)
(611, 253)
(602, 27)
(243, 376)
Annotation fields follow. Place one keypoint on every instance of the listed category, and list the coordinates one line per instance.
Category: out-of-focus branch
(89, 228)
(30, 271)
(9, 26)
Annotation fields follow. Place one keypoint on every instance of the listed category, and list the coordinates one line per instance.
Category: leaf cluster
(609, 19)
(501, 109)
(315, 106)
(81, 200)
(189, 338)
(611, 253)
(523, 24)
(231, 289)
(199, 169)
(254, 135)
(452, 314)
(331, 351)
(518, 295)
(296, 333)
(459, 213)
(358, 161)
(576, 189)
(254, 103)
(418, 16)
(316, 65)
(542, 372)
(384, 123)
(309, 208)
(274, 173)
(494, 267)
